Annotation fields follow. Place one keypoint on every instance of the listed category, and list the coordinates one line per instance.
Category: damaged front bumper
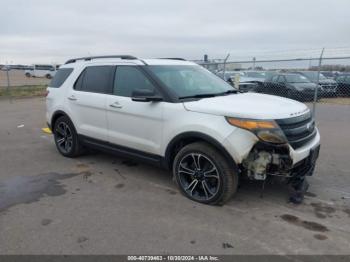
(276, 160)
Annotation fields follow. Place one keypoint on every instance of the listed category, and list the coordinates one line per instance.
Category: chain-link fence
(16, 82)
(322, 79)
(310, 76)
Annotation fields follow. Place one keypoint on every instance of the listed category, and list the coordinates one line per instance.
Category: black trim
(173, 58)
(298, 130)
(89, 58)
(121, 150)
(55, 116)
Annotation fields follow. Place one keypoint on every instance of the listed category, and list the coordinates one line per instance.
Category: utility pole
(224, 71)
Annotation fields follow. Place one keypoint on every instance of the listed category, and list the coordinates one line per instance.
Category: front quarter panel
(177, 120)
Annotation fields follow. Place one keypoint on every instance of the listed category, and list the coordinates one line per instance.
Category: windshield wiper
(231, 91)
(198, 96)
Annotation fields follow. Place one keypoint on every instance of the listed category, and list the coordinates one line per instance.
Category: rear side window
(95, 79)
(129, 78)
(60, 77)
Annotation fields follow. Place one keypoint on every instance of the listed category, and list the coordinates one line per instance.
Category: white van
(47, 71)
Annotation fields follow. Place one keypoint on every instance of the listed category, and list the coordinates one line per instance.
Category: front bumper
(257, 160)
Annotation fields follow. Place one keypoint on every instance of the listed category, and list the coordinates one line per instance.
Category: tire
(66, 138)
(48, 76)
(221, 180)
(28, 75)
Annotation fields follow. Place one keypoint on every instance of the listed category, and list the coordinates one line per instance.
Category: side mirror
(144, 95)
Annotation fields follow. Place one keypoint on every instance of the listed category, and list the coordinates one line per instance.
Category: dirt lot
(100, 204)
(18, 78)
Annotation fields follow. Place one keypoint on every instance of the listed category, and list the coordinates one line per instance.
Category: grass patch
(23, 91)
(336, 100)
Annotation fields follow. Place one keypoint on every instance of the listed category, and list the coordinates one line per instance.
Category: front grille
(329, 87)
(298, 130)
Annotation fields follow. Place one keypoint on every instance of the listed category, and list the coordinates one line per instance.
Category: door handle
(72, 98)
(116, 105)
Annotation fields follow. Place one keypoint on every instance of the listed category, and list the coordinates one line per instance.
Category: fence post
(317, 84)
(224, 69)
(8, 84)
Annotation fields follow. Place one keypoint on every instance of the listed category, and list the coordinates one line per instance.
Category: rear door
(87, 101)
(131, 124)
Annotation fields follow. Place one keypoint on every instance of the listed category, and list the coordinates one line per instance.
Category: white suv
(47, 71)
(178, 115)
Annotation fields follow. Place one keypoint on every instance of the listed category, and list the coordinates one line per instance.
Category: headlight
(265, 130)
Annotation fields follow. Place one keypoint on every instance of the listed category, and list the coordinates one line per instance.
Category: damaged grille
(298, 130)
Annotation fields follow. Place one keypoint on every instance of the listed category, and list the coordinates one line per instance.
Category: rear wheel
(48, 76)
(66, 138)
(28, 75)
(204, 175)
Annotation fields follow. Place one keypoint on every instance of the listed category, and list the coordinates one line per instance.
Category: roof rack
(174, 58)
(89, 58)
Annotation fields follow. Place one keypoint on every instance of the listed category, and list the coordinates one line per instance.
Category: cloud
(54, 31)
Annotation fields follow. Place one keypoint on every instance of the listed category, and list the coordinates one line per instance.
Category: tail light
(46, 93)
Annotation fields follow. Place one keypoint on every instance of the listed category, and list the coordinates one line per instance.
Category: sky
(53, 31)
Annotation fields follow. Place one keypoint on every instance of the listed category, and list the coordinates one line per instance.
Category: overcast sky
(52, 31)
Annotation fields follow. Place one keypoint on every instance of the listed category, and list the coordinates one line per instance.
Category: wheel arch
(183, 139)
(57, 115)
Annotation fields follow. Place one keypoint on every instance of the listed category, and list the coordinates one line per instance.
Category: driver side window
(129, 78)
(281, 79)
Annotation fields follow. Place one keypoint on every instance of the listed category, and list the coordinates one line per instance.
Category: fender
(196, 136)
(55, 115)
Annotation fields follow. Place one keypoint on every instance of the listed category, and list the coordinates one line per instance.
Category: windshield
(297, 79)
(313, 75)
(256, 74)
(190, 80)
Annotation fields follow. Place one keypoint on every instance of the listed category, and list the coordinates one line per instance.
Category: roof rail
(174, 58)
(89, 58)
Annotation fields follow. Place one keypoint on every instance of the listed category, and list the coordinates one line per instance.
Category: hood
(303, 85)
(327, 81)
(243, 79)
(248, 105)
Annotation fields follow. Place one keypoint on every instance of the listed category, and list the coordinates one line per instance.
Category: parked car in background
(329, 86)
(290, 85)
(47, 71)
(330, 74)
(343, 85)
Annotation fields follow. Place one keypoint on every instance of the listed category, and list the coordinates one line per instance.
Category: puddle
(46, 222)
(227, 245)
(28, 189)
(322, 210)
(120, 185)
(310, 225)
(347, 211)
(320, 237)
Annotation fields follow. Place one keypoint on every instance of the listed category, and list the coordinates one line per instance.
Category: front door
(136, 125)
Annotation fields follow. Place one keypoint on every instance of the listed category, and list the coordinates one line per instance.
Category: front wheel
(204, 175)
